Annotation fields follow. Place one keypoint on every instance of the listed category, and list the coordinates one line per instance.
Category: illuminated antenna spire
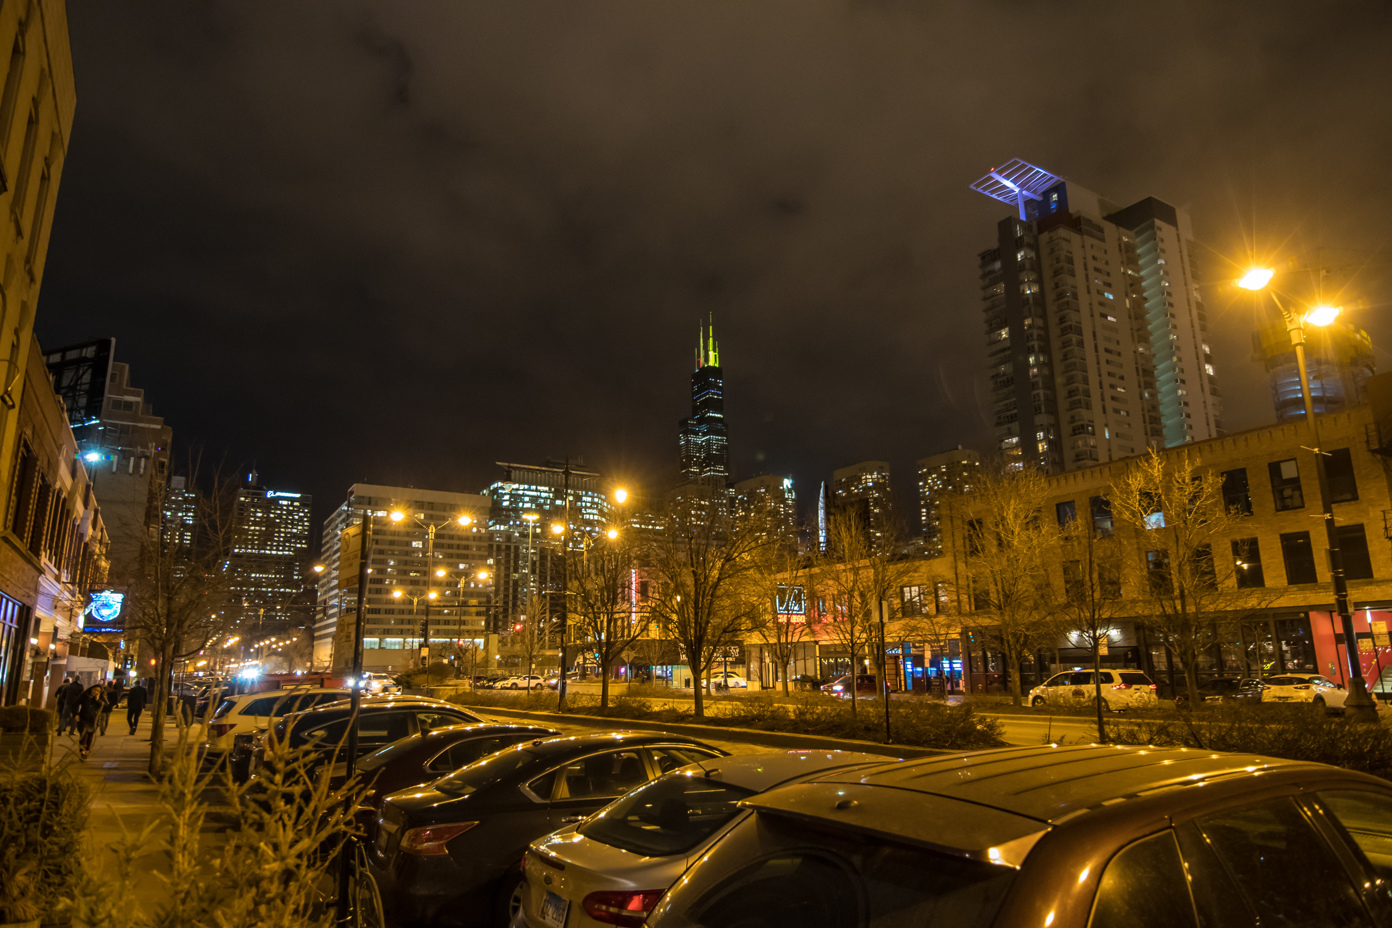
(713, 353)
(700, 346)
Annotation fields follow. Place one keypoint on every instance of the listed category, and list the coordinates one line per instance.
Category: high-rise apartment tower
(1096, 333)
(940, 476)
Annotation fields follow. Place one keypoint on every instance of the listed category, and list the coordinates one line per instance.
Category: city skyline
(845, 282)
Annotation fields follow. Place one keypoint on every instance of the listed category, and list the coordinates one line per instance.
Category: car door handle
(570, 819)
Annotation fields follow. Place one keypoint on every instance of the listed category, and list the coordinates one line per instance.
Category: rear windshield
(224, 707)
(1286, 681)
(481, 773)
(1135, 678)
(668, 816)
(389, 753)
(774, 871)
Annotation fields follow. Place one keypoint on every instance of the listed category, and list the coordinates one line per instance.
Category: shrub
(1290, 732)
(43, 813)
(27, 719)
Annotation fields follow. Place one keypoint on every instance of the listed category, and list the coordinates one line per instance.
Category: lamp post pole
(345, 854)
(1358, 706)
(565, 587)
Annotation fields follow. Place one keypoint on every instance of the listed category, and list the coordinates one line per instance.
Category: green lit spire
(707, 351)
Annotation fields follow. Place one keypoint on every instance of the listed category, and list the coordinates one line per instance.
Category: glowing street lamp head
(612, 533)
(620, 495)
(1322, 315)
(440, 572)
(431, 595)
(1256, 278)
(318, 568)
(396, 594)
(483, 575)
(530, 516)
(397, 515)
(91, 457)
(465, 520)
(557, 528)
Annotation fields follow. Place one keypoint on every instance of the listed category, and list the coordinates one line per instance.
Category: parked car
(612, 868)
(522, 682)
(381, 720)
(864, 686)
(729, 678)
(1313, 688)
(429, 755)
(804, 682)
(451, 852)
(1121, 689)
(1226, 689)
(1087, 835)
(252, 712)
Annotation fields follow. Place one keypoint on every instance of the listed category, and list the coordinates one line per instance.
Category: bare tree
(178, 594)
(856, 577)
(1007, 543)
(530, 635)
(776, 589)
(698, 566)
(1174, 510)
(606, 615)
(1092, 566)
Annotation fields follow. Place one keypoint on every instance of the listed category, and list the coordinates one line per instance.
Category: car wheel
(513, 687)
(1317, 702)
(1099, 701)
(509, 908)
(1037, 701)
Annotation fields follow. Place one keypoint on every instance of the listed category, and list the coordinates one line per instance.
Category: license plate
(554, 909)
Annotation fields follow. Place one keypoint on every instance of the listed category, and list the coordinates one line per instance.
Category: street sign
(1380, 634)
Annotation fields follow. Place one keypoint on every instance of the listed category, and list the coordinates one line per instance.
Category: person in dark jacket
(68, 696)
(89, 709)
(112, 695)
(135, 704)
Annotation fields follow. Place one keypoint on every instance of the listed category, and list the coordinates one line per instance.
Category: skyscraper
(705, 450)
(863, 489)
(270, 544)
(939, 476)
(1339, 357)
(770, 497)
(1096, 335)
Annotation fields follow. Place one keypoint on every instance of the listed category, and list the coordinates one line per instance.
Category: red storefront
(1370, 627)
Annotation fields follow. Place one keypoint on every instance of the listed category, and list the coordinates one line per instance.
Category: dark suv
(1064, 837)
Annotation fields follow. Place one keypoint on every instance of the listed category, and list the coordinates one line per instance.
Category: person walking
(135, 704)
(89, 709)
(68, 696)
(111, 696)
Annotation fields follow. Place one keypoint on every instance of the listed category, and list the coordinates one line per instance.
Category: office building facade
(702, 439)
(864, 490)
(941, 476)
(268, 591)
(455, 566)
(1096, 335)
(768, 496)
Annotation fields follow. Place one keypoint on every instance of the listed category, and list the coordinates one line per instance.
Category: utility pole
(565, 587)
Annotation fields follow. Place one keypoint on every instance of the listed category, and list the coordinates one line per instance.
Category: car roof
(564, 744)
(289, 691)
(759, 772)
(378, 702)
(446, 732)
(980, 802)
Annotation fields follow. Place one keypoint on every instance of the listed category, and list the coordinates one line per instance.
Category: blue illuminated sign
(104, 611)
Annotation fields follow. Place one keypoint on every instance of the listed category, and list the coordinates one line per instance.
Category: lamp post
(1358, 706)
(346, 852)
(460, 577)
(398, 516)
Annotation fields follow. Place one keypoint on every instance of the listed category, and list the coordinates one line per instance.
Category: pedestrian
(89, 709)
(68, 696)
(135, 704)
(111, 695)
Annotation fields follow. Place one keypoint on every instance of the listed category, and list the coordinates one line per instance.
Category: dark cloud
(399, 241)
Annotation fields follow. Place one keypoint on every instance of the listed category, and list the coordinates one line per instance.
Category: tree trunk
(855, 673)
(1015, 662)
(1097, 688)
(604, 687)
(1191, 675)
(698, 703)
(159, 702)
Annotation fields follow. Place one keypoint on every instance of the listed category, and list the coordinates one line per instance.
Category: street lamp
(1358, 705)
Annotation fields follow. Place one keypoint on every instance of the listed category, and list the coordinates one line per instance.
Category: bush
(27, 719)
(43, 813)
(1290, 732)
(917, 723)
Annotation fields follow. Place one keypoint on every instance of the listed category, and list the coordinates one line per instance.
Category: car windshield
(386, 755)
(668, 816)
(771, 871)
(481, 773)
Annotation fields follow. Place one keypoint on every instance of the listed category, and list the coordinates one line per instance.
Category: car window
(1144, 886)
(670, 758)
(429, 721)
(1058, 679)
(1367, 818)
(1286, 872)
(264, 706)
(323, 699)
(1284, 681)
(1135, 678)
(490, 769)
(1080, 678)
(385, 755)
(600, 776)
(382, 727)
(464, 753)
(668, 816)
(778, 873)
(224, 709)
(1217, 900)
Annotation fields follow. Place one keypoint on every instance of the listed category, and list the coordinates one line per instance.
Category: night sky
(396, 242)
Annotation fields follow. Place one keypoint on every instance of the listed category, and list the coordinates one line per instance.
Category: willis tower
(705, 451)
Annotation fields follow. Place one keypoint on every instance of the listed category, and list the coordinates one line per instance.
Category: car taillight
(628, 909)
(221, 728)
(1121, 686)
(1301, 686)
(1152, 686)
(430, 841)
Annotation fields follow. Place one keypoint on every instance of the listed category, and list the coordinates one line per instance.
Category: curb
(720, 733)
